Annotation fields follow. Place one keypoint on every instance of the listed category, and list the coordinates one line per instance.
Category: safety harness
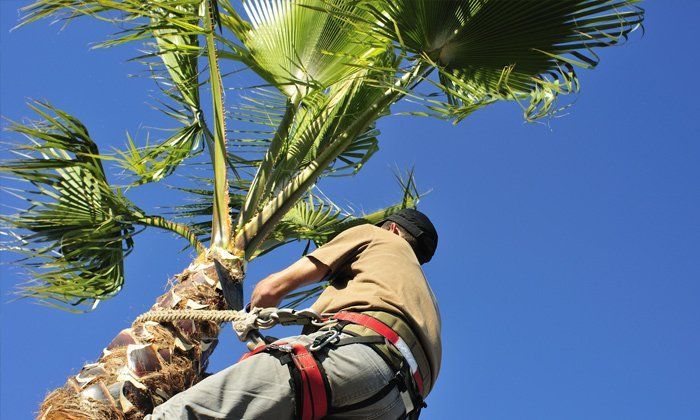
(310, 384)
(386, 334)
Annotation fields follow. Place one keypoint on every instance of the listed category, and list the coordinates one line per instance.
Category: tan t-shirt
(375, 269)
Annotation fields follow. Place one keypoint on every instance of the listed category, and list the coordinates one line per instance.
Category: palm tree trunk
(149, 362)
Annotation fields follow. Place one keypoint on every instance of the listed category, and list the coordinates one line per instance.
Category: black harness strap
(295, 381)
(359, 339)
(402, 378)
(369, 401)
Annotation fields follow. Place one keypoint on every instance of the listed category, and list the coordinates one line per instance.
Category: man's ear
(394, 228)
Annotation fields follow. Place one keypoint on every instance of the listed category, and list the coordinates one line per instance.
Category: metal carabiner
(323, 319)
(324, 340)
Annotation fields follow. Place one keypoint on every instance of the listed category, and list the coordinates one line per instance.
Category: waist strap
(390, 335)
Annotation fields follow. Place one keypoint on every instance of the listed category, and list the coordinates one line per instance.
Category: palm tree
(329, 69)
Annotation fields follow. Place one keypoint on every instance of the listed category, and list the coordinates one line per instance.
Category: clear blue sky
(568, 273)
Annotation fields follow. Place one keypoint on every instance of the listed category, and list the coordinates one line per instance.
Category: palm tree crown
(328, 71)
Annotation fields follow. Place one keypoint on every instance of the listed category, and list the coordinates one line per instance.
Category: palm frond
(175, 70)
(75, 230)
(152, 163)
(138, 19)
(171, 31)
(313, 219)
(296, 45)
(323, 117)
(319, 122)
(258, 112)
(179, 52)
(489, 50)
(357, 104)
(298, 137)
(362, 148)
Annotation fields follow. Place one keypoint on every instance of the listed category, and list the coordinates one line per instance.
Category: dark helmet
(418, 225)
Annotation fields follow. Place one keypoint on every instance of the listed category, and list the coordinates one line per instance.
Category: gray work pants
(259, 388)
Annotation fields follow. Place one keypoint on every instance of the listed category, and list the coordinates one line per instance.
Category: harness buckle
(412, 401)
(321, 341)
(285, 348)
(407, 402)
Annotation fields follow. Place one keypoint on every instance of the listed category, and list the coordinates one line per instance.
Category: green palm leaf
(296, 46)
(176, 72)
(138, 19)
(488, 50)
(75, 230)
(305, 131)
(328, 126)
(151, 163)
(258, 112)
(172, 29)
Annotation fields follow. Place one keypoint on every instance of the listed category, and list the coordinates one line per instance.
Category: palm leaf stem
(221, 221)
(209, 138)
(263, 223)
(178, 228)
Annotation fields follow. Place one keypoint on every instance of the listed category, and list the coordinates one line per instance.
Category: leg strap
(392, 336)
(410, 383)
(394, 382)
(314, 395)
(311, 387)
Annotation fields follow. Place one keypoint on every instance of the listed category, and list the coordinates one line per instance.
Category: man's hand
(266, 293)
(270, 291)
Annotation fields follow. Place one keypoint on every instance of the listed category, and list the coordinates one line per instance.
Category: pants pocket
(355, 373)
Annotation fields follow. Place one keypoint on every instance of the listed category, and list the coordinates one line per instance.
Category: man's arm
(270, 290)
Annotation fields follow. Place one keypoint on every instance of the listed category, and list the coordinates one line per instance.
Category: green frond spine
(177, 228)
(221, 221)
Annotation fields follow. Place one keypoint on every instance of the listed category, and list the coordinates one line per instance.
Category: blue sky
(567, 274)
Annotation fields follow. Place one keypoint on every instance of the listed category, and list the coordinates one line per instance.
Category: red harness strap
(314, 399)
(313, 395)
(253, 352)
(385, 331)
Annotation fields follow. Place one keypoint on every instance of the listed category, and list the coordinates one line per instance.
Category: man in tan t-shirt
(373, 270)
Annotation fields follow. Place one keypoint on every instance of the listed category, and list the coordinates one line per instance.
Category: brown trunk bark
(149, 362)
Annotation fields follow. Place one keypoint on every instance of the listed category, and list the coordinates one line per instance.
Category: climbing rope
(193, 314)
(245, 323)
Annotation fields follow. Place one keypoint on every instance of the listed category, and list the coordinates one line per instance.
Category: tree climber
(377, 357)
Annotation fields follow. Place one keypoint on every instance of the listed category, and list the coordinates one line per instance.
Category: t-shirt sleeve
(344, 247)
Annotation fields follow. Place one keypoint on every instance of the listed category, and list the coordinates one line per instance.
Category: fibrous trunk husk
(149, 362)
